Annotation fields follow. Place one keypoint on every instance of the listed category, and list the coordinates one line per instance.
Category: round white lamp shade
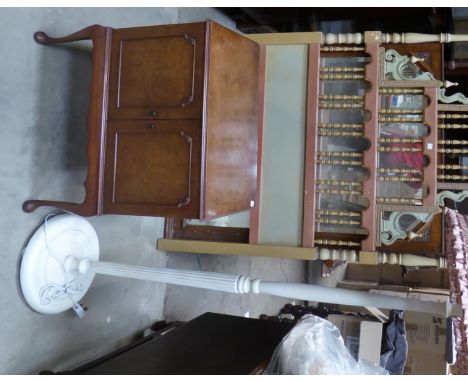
(49, 284)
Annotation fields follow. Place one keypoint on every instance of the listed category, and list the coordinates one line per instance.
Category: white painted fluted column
(206, 280)
(243, 284)
(342, 296)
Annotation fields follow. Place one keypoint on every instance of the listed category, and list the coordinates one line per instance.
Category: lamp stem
(243, 284)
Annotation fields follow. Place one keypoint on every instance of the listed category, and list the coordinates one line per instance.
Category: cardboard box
(385, 274)
(426, 334)
(362, 338)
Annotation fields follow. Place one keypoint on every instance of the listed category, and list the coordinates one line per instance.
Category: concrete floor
(43, 101)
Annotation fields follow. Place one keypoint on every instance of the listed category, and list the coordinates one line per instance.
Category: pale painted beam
(239, 249)
(292, 38)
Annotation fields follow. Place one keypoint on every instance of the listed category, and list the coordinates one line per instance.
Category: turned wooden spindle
(341, 69)
(341, 154)
(383, 118)
(340, 97)
(398, 179)
(453, 116)
(394, 200)
(341, 105)
(337, 221)
(393, 38)
(415, 38)
(333, 191)
(405, 259)
(410, 260)
(452, 167)
(341, 243)
(452, 151)
(331, 182)
(400, 140)
(325, 133)
(452, 126)
(338, 213)
(342, 49)
(399, 149)
(344, 38)
(401, 91)
(452, 177)
(338, 162)
(338, 254)
(334, 76)
(340, 125)
(452, 142)
(399, 170)
(400, 111)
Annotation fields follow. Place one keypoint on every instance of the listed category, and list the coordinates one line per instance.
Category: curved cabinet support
(392, 229)
(96, 121)
(456, 197)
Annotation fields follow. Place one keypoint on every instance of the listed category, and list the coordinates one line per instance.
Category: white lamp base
(49, 283)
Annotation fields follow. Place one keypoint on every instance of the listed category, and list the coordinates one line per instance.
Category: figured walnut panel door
(153, 168)
(157, 72)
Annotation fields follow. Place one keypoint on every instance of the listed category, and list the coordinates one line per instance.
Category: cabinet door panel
(157, 72)
(153, 168)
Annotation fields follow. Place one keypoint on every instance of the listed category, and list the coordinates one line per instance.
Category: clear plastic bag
(315, 346)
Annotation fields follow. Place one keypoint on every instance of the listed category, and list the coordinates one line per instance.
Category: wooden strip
(396, 110)
(340, 97)
(340, 69)
(451, 107)
(286, 38)
(400, 140)
(452, 151)
(340, 154)
(342, 49)
(308, 225)
(341, 105)
(430, 147)
(340, 125)
(454, 142)
(386, 91)
(339, 133)
(398, 179)
(332, 182)
(453, 116)
(452, 177)
(333, 76)
(452, 126)
(255, 210)
(339, 162)
(338, 213)
(399, 201)
(371, 132)
(452, 167)
(386, 149)
(399, 170)
(411, 84)
(399, 118)
(452, 186)
(236, 249)
(337, 221)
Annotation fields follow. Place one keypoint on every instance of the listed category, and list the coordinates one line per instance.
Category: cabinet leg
(96, 121)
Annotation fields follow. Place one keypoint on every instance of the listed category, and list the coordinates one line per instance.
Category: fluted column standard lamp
(62, 259)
